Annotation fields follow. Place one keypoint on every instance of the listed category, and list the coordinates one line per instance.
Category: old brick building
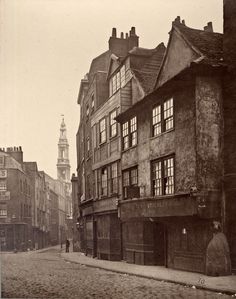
(115, 77)
(150, 189)
(184, 153)
(177, 157)
(15, 200)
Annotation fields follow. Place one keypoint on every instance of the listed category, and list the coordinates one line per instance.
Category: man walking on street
(67, 245)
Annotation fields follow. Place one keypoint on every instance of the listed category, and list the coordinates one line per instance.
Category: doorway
(160, 244)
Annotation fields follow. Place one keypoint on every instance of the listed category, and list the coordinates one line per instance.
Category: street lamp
(14, 232)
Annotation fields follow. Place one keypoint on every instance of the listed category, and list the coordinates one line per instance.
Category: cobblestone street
(47, 275)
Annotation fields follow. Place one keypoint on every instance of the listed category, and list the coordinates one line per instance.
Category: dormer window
(119, 79)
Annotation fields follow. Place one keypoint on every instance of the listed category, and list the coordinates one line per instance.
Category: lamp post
(14, 232)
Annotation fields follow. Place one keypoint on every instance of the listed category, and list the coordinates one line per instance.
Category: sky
(46, 47)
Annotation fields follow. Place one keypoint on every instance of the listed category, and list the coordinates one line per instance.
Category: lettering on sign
(3, 173)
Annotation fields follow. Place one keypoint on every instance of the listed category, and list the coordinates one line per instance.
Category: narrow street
(46, 275)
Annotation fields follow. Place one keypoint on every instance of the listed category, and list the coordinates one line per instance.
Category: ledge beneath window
(129, 148)
(163, 133)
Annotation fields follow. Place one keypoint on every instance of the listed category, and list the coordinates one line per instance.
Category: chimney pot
(132, 31)
(126, 35)
(122, 35)
(113, 32)
(177, 20)
(183, 22)
(208, 27)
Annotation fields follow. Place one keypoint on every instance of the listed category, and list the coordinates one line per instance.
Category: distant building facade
(16, 200)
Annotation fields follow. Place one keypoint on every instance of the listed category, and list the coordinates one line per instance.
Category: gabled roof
(147, 75)
(206, 48)
(209, 44)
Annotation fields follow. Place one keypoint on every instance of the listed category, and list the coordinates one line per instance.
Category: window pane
(102, 129)
(125, 142)
(114, 178)
(133, 124)
(168, 115)
(125, 130)
(122, 75)
(133, 138)
(113, 124)
(104, 182)
(156, 120)
(118, 80)
(169, 176)
(126, 178)
(134, 176)
(157, 182)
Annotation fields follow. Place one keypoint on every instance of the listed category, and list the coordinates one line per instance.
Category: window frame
(165, 189)
(104, 194)
(104, 131)
(114, 179)
(130, 139)
(161, 124)
(129, 178)
(113, 124)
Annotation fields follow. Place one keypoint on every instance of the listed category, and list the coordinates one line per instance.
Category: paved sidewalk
(223, 284)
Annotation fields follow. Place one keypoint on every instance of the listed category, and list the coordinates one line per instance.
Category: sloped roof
(209, 44)
(100, 63)
(147, 75)
(142, 51)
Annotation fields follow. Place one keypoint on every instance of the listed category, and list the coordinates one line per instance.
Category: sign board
(3, 173)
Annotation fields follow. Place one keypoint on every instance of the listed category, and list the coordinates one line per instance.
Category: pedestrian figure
(67, 245)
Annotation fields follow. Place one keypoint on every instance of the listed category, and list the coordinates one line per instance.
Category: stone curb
(208, 288)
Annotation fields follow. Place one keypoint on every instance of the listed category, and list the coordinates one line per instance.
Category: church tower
(63, 163)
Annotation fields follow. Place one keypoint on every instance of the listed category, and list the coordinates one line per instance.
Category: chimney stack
(121, 46)
(16, 153)
(113, 32)
(208, 27)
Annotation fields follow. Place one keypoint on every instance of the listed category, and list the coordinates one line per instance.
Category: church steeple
(63, 163)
